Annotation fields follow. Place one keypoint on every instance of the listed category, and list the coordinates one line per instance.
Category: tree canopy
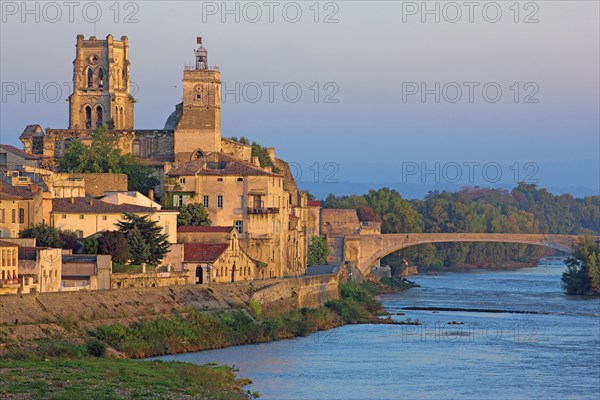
(193, 215)
(45, 235)
(318, 251)
(102, 156)
(148, 244)
(524, 209)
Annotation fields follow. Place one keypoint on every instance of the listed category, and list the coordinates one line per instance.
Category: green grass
(197, 330)
(102, 379)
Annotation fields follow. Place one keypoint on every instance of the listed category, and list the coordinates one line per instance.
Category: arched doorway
(199, 276)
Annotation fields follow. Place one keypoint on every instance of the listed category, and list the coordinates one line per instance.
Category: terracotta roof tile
(9, 192)
(89, 205)
(314, 203)
(203, 252)
(218, 164)
(218, 229)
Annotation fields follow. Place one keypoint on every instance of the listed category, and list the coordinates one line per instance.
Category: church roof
(218, 164)
(174, 118)
(203, 252)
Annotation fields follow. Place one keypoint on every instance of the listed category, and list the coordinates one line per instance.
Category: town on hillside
(102, 205)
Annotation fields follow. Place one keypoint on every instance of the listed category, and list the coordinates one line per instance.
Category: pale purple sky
(370, 57)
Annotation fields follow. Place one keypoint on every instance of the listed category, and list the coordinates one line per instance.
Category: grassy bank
(54, 368)
(197, 330)
(104, 378)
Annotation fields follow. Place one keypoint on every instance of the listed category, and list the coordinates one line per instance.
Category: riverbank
(193, 330)
(89, 378)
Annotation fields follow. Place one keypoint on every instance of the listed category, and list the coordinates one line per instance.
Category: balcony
(263, 210)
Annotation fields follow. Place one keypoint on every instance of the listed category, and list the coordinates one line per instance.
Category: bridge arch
(363, 251)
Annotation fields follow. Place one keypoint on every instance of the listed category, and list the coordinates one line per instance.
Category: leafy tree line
(524, 209)
(102, 156)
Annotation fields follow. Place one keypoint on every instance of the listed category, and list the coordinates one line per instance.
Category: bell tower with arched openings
(101, 84)
(198, 131)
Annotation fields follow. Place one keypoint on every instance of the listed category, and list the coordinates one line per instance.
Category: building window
(104, 218)
(64, 216)
(219, 201)
(178, 200)
(219, 179)
(90, 77)
(2, 216)
(88, 117)
(239, 226)
(100, 78)
(240, 179)
(13, 216)
(205, 201)
(99, 117)
(21, 215)
(81, 216)
(136, 147)
(182, 180)
(79, 234)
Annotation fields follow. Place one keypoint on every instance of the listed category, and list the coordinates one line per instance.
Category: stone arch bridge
(363, 251)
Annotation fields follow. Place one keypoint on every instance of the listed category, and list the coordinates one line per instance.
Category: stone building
(13, 158)
(263, 204)
(101, 84)
(20, 206)
(85, 271)
(213, 255)
(86, 216)
(268, 216)
(40, 269)
(9, 268)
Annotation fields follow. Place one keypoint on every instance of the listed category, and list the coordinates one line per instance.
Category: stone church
(263, 204)
(102, 96)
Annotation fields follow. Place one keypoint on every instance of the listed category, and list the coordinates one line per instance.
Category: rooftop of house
(4, 243)
(203, 252)
(90, 205)
(314, 203)
(9, 192)
(218, 164)
(19, 152)
(205, 229)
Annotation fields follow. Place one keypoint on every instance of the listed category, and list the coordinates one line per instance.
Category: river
(552, 352)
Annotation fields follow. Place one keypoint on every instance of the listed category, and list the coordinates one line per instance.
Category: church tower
(101, 84)
(198, 132)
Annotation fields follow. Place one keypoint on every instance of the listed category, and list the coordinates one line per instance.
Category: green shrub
(96, 348)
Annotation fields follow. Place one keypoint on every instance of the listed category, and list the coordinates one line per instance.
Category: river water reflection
(551, 352)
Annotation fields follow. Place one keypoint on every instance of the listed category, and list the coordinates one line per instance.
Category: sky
(352, 93)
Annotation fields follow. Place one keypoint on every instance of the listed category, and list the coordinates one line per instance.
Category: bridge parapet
(362, 251)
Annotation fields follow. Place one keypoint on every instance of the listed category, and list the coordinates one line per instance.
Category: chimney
(72, 200)
(151, 194)
(255, 161)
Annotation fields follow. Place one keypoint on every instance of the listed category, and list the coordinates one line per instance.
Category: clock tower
(198, 132)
